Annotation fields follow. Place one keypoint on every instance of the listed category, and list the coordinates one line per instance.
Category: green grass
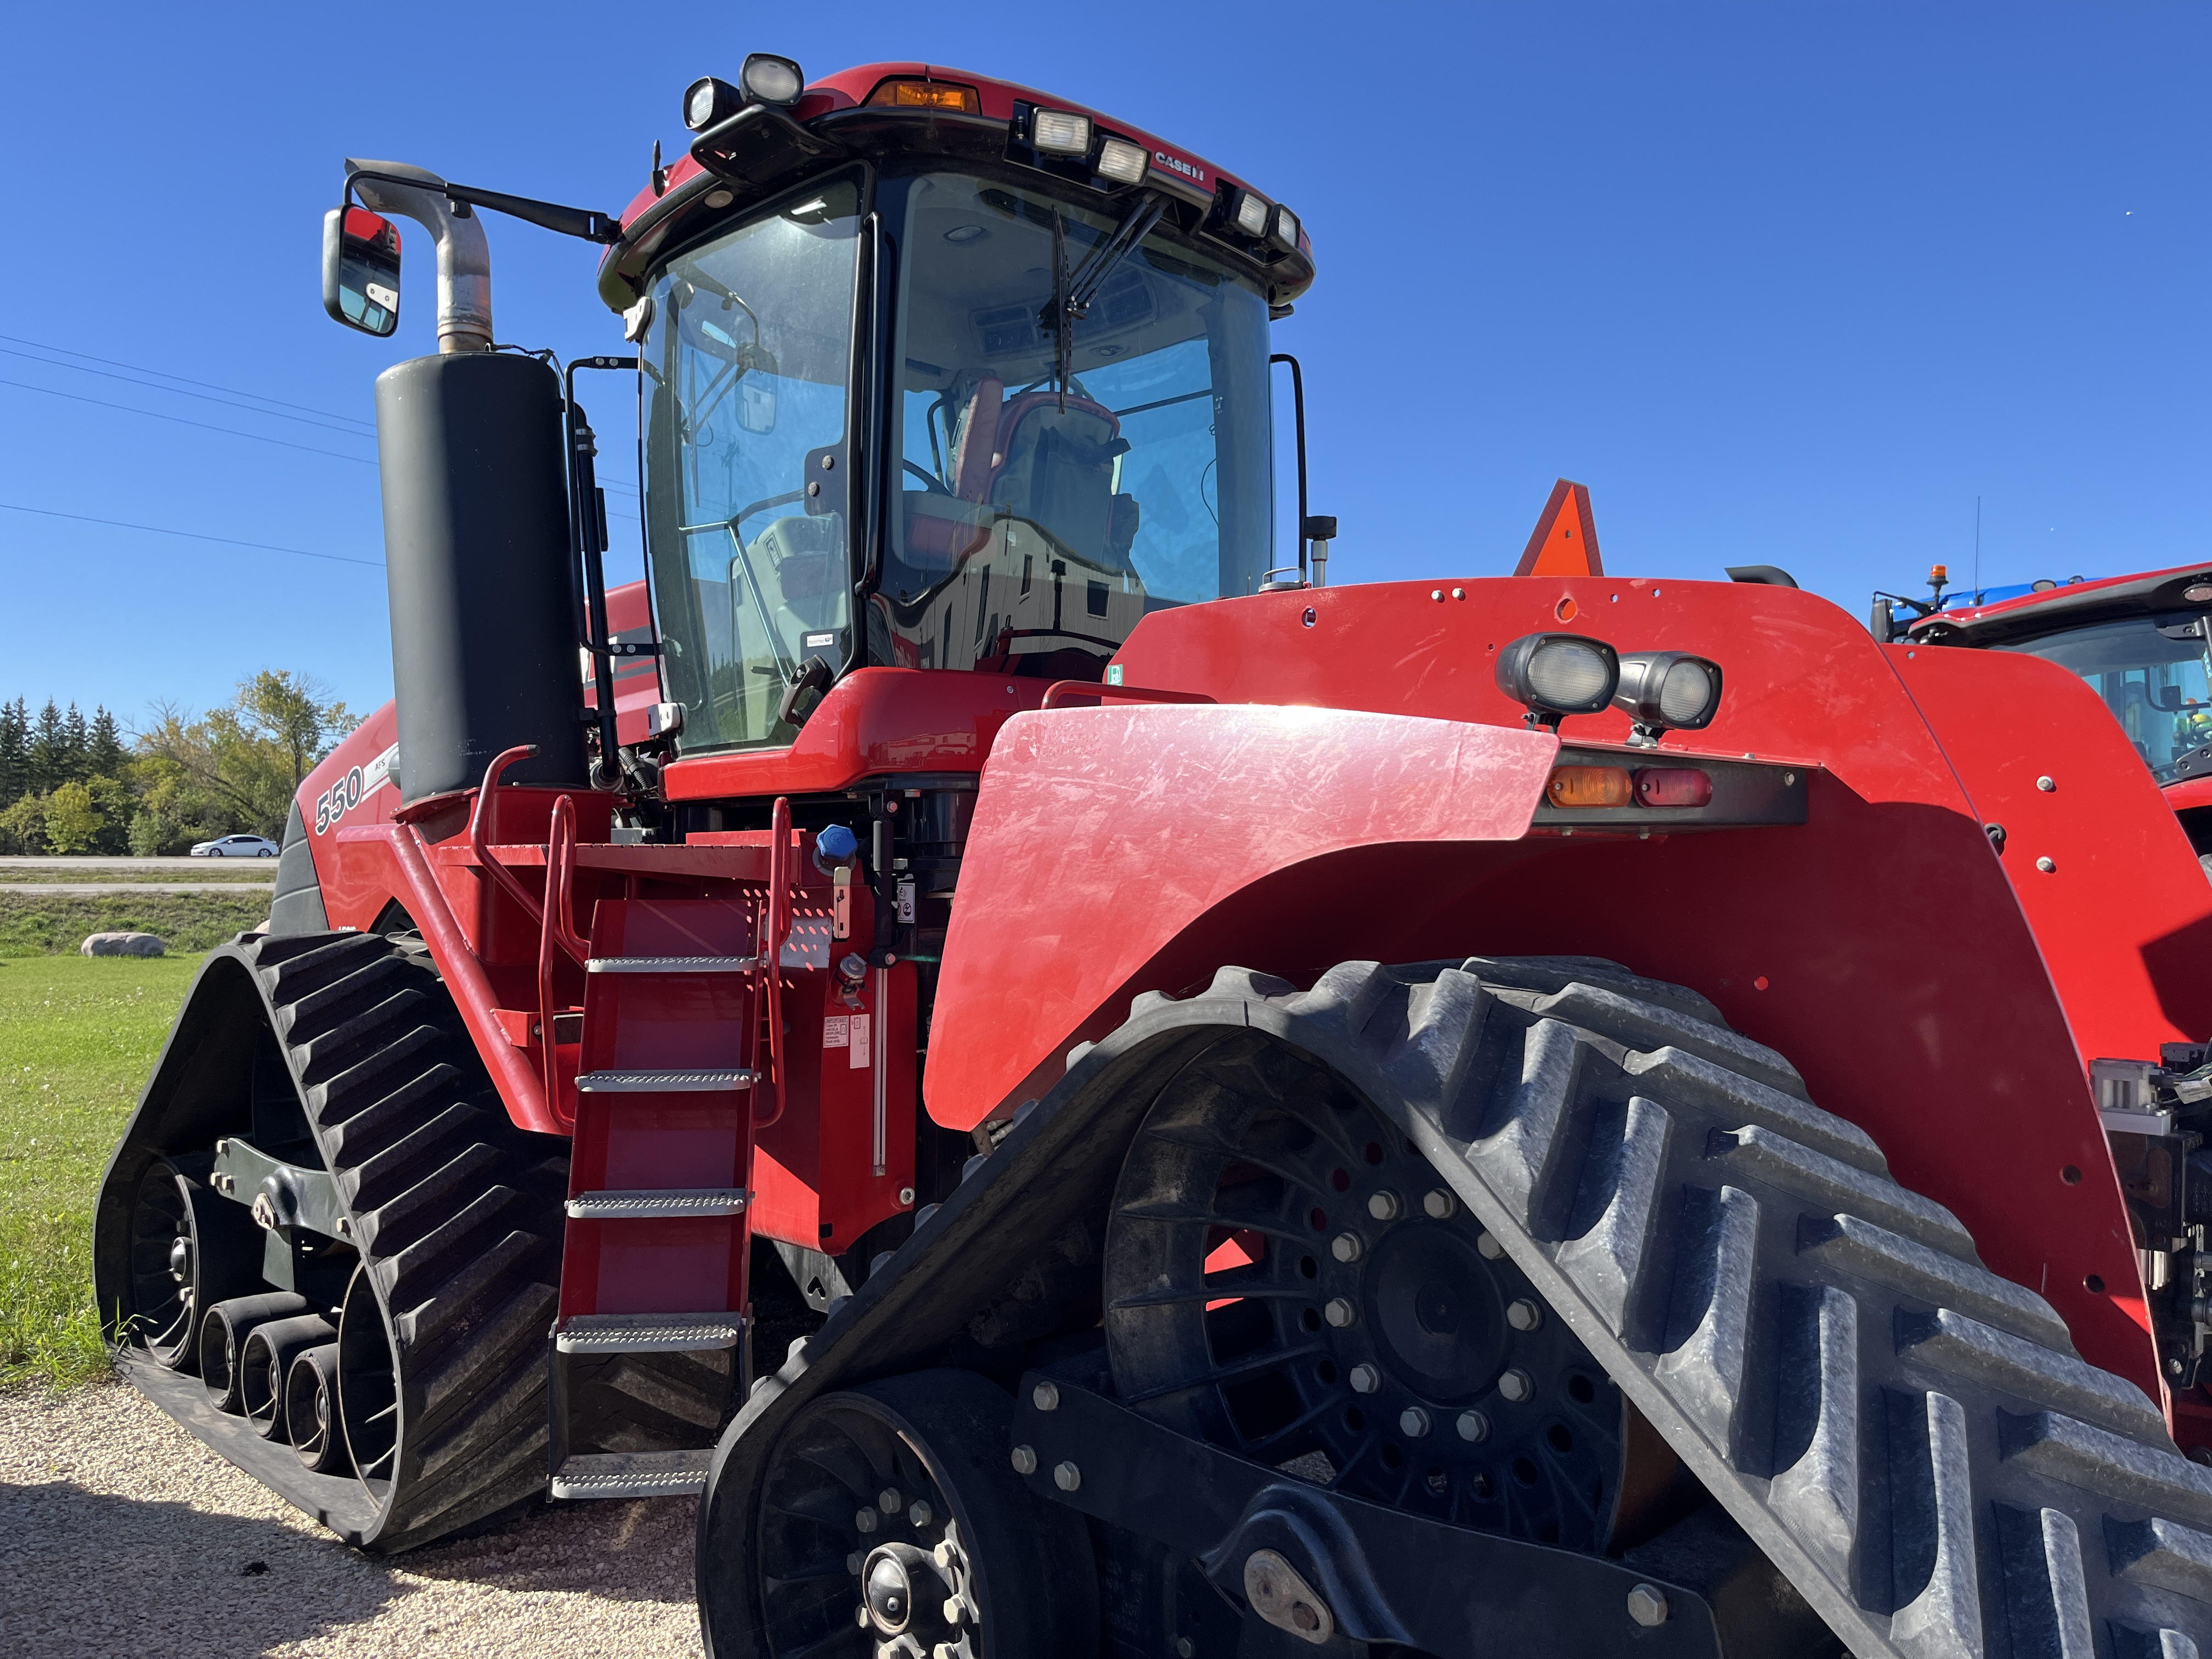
(78, 1038)
(38, 924)
(219, 870)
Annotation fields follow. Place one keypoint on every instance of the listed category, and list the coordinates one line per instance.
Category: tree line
(72, 785)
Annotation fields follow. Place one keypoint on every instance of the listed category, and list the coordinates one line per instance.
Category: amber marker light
(1583, 786)
(1673, 785)
(904, 94)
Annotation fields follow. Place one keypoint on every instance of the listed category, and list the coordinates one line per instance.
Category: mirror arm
(463, 256)
(548, 216)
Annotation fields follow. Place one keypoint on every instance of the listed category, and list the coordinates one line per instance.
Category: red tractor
(1089, 1093)
(2139, 641)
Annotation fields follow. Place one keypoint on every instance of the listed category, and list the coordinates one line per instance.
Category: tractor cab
(972, 382)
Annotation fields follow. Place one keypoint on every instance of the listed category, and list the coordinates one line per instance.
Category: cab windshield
(746, 365)
(2154, 673)
(1050, 493)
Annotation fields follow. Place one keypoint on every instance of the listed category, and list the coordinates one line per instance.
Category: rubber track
(1911, 1439)
(456, 1212)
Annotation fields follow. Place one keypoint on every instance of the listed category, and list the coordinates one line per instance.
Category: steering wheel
(930, 480)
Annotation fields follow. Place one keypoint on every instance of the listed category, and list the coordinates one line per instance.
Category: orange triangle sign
(1565, 541)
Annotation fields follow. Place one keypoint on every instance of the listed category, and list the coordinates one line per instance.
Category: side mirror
(360, 270)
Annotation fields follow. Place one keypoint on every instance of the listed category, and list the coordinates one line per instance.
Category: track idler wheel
(368, 1388)
(188, 1249)
(223, 1336)
(311, 1410)
(263, 1363)
(893, 1525)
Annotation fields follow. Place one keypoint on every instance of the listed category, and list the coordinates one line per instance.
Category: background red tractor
(2139, 641)
(1090, 1094)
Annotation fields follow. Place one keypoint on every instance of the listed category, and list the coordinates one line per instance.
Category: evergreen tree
(107, 756)
(76, 744)
(15, 753)
(50, 754)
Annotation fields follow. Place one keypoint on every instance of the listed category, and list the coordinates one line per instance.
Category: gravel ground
(121, 1534)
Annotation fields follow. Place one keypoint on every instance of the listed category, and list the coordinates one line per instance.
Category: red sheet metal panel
(1101, 835)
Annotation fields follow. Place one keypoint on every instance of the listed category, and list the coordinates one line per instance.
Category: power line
(24, 385)
(189, 535)
(164, 375)
(178, 392)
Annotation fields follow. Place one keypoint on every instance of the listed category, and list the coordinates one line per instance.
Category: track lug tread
(1909, 1437)
(456, 1213)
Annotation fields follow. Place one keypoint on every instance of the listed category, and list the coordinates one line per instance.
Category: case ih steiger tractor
(1090, 1094)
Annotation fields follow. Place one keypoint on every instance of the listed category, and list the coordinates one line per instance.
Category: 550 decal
(347, 793)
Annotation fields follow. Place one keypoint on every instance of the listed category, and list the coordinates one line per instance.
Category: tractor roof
(2069, 605)
(850, 114)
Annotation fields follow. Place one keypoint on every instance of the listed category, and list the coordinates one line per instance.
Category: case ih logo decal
(359, 783)
(1189, 170)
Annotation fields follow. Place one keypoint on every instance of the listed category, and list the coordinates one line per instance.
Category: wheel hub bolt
(1473, 1426)
(1412, 1422)
(1647, 1606)
(1338, 1312)
(1066, 1477)
(867, 1521)
(889, 1501)
(1025, 1460)
(919, 1512)
(1365, 1379)
(1524, 1315)
(1344, 1247)
(952, 1610)
(1488, 1248)
(1385, 1206)
(1516, 1386)
(1439, 1205)
(1045, 1396)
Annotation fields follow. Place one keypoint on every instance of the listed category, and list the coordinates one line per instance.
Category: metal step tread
(700, 1082)
(652, 1204)
(648, 1332)
(633, 1474)
(671, 964)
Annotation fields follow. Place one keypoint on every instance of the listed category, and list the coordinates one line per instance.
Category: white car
(236, 847)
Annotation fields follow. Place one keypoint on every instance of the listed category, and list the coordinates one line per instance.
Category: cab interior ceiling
(990, 316)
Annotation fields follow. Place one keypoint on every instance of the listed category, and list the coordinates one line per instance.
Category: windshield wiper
(1073, 292)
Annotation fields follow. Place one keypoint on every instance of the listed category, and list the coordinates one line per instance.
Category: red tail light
(1673, 785)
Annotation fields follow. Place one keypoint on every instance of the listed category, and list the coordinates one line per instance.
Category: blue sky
(1786, 284)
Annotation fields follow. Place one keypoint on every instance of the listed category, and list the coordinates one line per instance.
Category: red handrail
(499, 874)
(557, 927)
(1129, 693)
(770, 947)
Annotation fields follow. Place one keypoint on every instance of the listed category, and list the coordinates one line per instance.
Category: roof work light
(1555, 675)
(1250, 213)
(1284, 233)
(1667, 691)
(1122, 162)
(1060, 132)
(768, 79)
(708, 101)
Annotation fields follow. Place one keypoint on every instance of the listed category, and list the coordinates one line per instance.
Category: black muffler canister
(476, 546)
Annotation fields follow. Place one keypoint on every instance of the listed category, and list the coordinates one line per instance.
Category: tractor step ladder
(651, 1344)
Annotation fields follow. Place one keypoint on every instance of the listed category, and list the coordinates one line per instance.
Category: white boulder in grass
(122, 945)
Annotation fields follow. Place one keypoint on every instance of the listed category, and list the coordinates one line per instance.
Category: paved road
(104, 889)
(243, 866)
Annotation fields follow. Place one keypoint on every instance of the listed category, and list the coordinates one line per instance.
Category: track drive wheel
(892, 1526)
